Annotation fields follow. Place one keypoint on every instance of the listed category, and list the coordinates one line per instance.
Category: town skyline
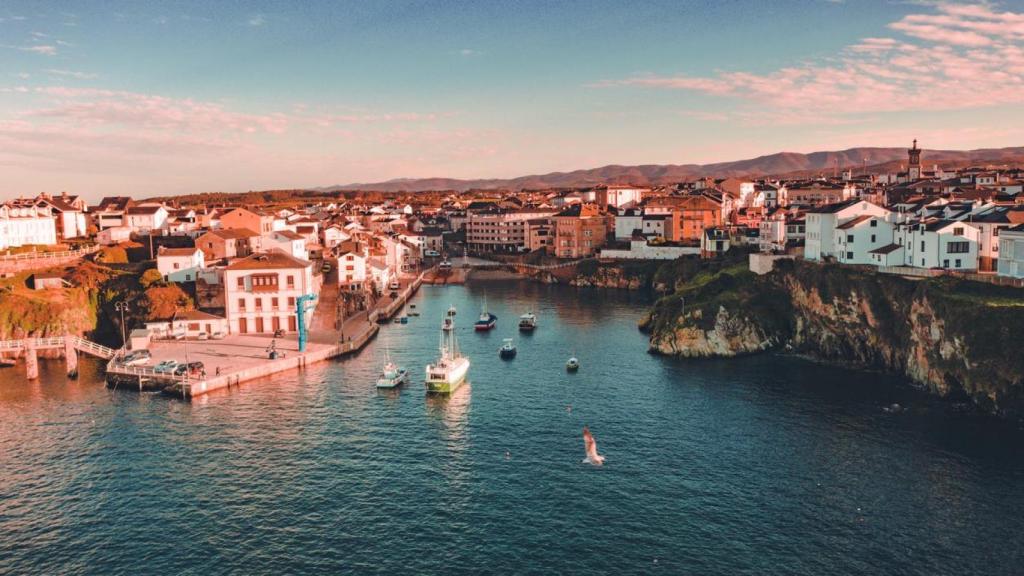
(143, 101)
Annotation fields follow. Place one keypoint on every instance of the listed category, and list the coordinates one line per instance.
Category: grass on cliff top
(969, 292)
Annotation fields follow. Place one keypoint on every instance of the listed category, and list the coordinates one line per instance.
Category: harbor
(237, 359)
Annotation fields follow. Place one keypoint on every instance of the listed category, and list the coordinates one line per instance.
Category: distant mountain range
(783, 164)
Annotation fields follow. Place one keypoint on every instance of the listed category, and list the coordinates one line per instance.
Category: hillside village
(247, 265)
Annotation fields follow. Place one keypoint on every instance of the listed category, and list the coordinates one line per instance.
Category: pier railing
(79, 343)
(49, 255)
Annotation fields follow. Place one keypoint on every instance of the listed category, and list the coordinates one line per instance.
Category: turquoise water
(762, 465)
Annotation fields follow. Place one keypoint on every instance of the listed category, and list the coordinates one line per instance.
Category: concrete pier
(70, 357)
(31, 362)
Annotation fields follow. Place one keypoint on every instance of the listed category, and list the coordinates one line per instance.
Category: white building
(289, 242)
(114, 235)
(180, 264)
(627, 222)
(261, 292)
(26, 224)
(352, 270)
(145, 218)
(821, 225)
(947, 244)
(1011, 252)
(856, 238)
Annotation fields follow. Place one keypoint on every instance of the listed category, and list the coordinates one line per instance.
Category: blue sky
(155, 98)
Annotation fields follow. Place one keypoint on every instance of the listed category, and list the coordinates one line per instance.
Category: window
(874, 223)
(241, 282)
(176, 266)
(958, 231)
(849, 237)
(273, 303)
(957, 262)
(922, 245)
(291, 281)
(958, 247)
(241, 304)
(945, 263)
(849, 255)
(291, 302)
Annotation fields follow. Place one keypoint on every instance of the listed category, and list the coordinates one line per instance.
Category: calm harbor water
(762, 465)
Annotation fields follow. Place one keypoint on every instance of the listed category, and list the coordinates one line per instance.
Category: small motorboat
(413, 313)
(447, 324)
(451, 310)
(507, 350)
(573, 364)
(392, 375)
(527, 322)
(404, 320)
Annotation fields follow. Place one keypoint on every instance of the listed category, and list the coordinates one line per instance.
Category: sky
(152, 98)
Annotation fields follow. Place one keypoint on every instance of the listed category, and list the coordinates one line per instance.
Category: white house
(288, 241)
(352, 270)
(180, 264)
(334, 235)
(26, 224)
(261, 292)
(821, 225)
(628, 221)
(380, 274)
(1011, 252)
(856, 238)
(947, 244)
(114, 235)
(145, 218)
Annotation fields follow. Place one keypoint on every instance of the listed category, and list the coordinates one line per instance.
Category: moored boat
(573, 364)
(392, 376)
(449, 371)
(507, 350)
(486, 320)
(527, 322)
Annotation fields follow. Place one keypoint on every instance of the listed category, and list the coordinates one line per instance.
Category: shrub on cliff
(112, 255)
(161, 302)
(150, 278)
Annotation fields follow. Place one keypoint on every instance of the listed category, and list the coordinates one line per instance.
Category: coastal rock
(955, 339)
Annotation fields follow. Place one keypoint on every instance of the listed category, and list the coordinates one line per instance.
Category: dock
(240, 358)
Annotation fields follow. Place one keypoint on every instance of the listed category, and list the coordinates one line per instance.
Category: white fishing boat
(449, 371)
(527, 322)
(392, 375)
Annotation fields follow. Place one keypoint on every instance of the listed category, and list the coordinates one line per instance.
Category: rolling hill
(781, 164)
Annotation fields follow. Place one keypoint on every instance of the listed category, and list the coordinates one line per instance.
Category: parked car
(203, 336)
(431, 253)
(218, 335)
(136, 358)
(326, 268)
(166, 367)
(395, 285)
(191, 368)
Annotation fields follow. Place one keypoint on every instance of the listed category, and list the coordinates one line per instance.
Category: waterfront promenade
(240, 358)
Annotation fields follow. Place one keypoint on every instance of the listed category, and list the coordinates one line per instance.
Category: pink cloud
(951, 55)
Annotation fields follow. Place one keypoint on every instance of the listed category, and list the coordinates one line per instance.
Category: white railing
(49, 255)
(78, 342)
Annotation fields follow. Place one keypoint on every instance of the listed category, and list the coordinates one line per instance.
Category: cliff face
(611, 277)
(958, 339)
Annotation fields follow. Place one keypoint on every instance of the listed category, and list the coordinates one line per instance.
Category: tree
(162, 302)
(151, 278)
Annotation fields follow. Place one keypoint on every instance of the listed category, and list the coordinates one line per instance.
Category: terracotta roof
(274, 259)
(851, 223)
(887, 249)
(233, 233)
(178, 251)
(289, 235)
(144, 209)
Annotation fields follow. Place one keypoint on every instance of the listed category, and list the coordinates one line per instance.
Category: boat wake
(590, 446)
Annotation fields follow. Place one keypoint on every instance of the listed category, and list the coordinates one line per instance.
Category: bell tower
(914, 171)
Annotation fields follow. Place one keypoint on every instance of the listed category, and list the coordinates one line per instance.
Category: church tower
(914, 173)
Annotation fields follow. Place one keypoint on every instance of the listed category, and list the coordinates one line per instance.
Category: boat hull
(393, 382)
(507, 354)
(455, 377)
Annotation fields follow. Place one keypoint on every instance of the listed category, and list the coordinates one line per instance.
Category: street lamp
(121, 307)
(174, 319)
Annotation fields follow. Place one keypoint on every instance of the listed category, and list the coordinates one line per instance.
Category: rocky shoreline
(955, 339)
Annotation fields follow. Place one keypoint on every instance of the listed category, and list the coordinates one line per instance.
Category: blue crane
(300, 312)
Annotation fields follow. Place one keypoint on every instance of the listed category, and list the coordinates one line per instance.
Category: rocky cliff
(958, 339)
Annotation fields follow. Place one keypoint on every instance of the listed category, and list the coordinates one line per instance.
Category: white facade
(261, 292)
(822, 223)
(641, 250)
(26, 225)
(855, 239)
(1011, 252)
(939, 244)
(627, 222)
(115, 235)
(145, 219)
(351, 270)
(180, 264)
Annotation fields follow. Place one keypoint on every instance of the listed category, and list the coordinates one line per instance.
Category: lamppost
(174, 319)
(121, 307)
